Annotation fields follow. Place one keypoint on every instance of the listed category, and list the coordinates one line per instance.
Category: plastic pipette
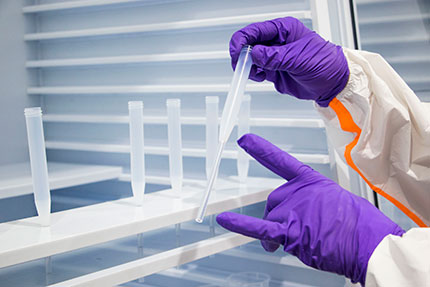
(228, 118)
(243, 128)
(211, 132)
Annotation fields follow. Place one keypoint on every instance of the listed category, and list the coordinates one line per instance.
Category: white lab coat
(383, 131)
(401, 261)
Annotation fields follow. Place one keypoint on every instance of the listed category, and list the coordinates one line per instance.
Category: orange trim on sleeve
(347, 124)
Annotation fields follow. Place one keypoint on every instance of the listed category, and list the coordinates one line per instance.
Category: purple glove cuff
(341, 84)
(359, 274)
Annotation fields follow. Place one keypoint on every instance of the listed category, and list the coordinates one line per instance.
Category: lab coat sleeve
(401, 261)
(383, 131)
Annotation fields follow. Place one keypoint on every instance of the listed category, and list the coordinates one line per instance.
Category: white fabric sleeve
(383, 131)
(401, 261)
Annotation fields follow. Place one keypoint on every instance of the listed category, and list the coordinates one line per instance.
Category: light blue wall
(13, 81)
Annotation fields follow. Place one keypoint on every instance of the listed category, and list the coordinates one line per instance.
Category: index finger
(272, 157)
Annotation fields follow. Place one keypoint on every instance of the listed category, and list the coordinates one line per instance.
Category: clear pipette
(243, 128)
(228, 118)
(211, 132)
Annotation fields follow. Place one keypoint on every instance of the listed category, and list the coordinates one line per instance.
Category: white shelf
(25, 240)
(409, 59)
(163, 180)
(144, 89)
(159, 262)
(395, 40)
(185, 120)
(152, 264)
(124, 250)
(193, 272)
(251, 254)
(16, 180)
(205, 275)
(394, 19)
(417, 80)
(96, 119)
(75, 4)
(287, 122)
(134, 59)
(159, 27)
(164, 150)
(81, 146)
(373, 2)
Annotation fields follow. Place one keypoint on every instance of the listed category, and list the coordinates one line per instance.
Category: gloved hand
(315, 219)
(297, 60)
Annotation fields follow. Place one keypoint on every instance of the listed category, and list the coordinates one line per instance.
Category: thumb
(253, 227)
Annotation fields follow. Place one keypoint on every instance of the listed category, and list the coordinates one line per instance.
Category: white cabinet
(85, 61)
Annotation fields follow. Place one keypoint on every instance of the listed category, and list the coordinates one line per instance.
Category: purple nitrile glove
(297, 60)
(315, 219)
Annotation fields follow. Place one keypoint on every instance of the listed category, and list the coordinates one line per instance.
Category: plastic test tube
(228, 119)
(39, 167)
(137, 155)
(243, 128)
(211, 132)
(175, 144)
(137, 161)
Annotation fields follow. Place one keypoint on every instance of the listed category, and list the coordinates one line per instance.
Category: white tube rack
(24, 240)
